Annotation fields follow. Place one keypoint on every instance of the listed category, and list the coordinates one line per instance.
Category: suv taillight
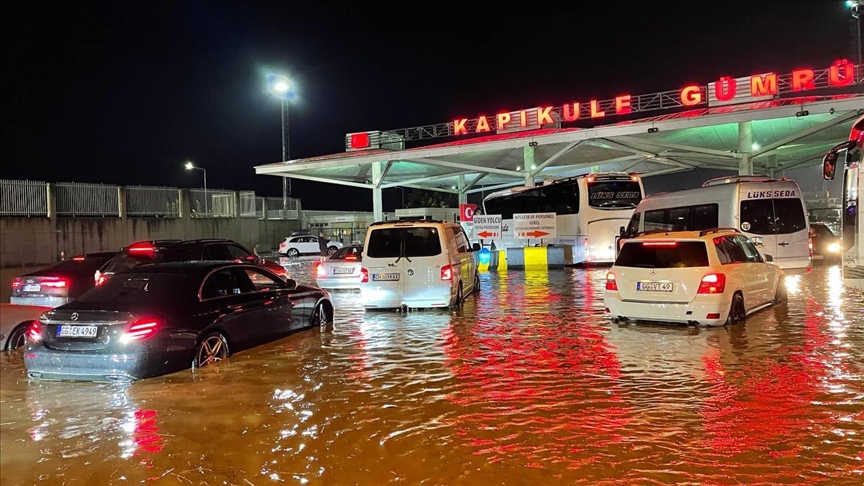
(364, 275)
(447, 273)
(141, 329)
(713, 283)
(34, 332)
(611, 284)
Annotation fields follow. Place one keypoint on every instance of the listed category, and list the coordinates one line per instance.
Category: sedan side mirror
(292, 284)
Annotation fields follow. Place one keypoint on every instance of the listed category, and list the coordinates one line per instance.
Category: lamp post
(282, 88)
(855, 8)
(190, 166)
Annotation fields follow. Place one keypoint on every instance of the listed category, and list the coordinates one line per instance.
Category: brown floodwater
(528, 384)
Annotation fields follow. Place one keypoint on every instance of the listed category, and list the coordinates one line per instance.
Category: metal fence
(79, 199)
(23, 198)
(153, 201)
(275, 210)
(212, 203)
(35, 198)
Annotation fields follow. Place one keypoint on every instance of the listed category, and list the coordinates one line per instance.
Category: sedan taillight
(55, 282)
(17, 282)
(141, 329)
(713, 283)
(34, 332)
(319, 269)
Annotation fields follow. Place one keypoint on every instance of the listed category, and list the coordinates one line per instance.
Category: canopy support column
(745, 147)
(377, 192)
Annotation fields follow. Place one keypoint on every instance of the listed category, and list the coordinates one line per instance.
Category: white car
(710, 277)
(307, 245)
(342, 270)
(14, 321)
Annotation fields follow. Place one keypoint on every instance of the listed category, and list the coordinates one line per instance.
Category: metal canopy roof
(783, 137)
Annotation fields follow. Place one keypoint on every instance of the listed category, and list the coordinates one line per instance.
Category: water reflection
(528, 383)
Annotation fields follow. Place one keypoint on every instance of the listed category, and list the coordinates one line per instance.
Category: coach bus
(852, 220)
(590, 209)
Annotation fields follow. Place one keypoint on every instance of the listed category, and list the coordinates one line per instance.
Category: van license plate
(654, 286)
(385, 277)
(77, 331)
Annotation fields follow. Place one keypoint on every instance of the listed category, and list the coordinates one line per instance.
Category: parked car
(825, 246)
(417, 264)
(308, 245)
(14, 321)
(160, 251)
(341, 270)
(161, 318)
(59, 283)
(709, 277)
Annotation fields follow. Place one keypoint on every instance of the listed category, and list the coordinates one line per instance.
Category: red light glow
(802, 79)
(319, 270)
(364, 275)
(17, 282)
(447, 273)
(713, 283)
(763, 85)
(79, 258)
(55, 282)
(34, 332)
(691, 95)
(142, 249)
(622, 105)
(141, 329)
(611, 283)
(359, 140)
(659, 243)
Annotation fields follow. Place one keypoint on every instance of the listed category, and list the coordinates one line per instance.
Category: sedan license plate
(343, 271)
(654, 286)
(385, 277)
(77, 331)
(32, 288)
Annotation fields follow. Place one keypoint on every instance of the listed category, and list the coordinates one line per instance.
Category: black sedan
(160, 318)
(59, 283)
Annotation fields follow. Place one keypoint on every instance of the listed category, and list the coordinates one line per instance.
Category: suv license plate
(77, 331)
(654, 286)
(385, 277)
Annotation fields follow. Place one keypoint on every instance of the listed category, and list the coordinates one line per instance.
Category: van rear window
(772, 216)
(673, 254)
(416, 241)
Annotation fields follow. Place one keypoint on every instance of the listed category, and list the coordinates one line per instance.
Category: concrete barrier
(536, 257)
(497, 262)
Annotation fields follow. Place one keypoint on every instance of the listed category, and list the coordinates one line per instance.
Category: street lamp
(855, 8)
(283, 88)
(190, 166)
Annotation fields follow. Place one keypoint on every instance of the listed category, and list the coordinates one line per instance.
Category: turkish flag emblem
(466, 212)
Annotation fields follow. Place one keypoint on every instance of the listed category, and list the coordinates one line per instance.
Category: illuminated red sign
(359, 140)
(723, 91)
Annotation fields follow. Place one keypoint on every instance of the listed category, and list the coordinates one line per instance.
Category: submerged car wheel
(737, 312)
(292, 252)
(212, 349)
(781, 296)
(476, 283)
(320, 317)
(17, 338)
(459, 299)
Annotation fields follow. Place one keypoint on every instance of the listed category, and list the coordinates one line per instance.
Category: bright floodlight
(281, 86)
(189, 166)
(849, 3)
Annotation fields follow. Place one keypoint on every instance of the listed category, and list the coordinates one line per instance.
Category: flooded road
(528, 384)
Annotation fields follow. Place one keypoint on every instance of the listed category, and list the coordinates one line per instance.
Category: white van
(770, 212)
(416, 264)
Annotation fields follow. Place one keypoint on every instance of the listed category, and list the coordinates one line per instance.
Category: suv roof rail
(718, 230)
(410, 219)
(652, 232)
(205, 240)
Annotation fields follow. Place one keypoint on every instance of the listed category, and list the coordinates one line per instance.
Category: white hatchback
(710, 277)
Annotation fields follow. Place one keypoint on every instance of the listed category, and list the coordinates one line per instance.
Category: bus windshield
(614, 194)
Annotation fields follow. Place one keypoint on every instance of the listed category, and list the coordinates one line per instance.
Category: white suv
(307, 244)
(710, 277)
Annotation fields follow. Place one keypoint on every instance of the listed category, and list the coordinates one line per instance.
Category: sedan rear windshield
(665, 254)
(348, 253)
(142, 288)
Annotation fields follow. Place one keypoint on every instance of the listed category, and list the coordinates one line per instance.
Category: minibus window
(790, 216)
(422, 241)
(385, 243)
(757, 216)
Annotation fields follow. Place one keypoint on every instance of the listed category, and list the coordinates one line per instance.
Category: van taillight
(141, 329)
(447, 272)
(34, 332)
(611, 283)
(713, 283)
(364, 275)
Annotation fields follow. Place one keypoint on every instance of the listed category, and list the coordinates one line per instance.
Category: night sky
(126, 92)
